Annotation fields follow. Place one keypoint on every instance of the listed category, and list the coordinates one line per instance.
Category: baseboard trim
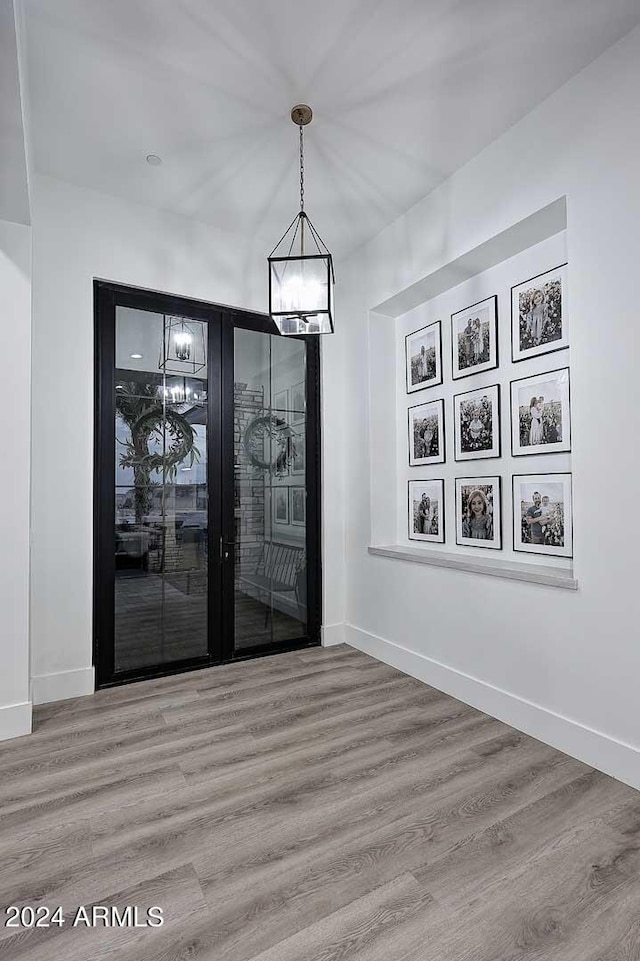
(62, 685)
(332, 635)
(601, 751)
(15, 720)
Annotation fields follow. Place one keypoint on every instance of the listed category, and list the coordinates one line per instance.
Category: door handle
(226, 549)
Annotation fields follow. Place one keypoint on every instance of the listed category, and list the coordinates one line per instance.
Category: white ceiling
(404, 93)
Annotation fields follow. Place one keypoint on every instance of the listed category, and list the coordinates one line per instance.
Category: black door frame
(221, 322)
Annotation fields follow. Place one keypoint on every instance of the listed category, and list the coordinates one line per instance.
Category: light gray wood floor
(310, 807)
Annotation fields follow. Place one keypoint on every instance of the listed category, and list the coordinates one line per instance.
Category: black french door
(207, 486)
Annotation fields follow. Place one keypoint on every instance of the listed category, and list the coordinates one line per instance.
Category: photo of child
(477, 521)
(538, 314)
(477, 423)
(478, 512)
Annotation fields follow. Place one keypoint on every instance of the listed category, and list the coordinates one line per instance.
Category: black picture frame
(496, 480)
(298, 413)
(293, 521)
(442, 455)
(498, 430)
(407, 360)
(480, 369)
(281, 490)
(514, 425)
(297, 467)
(516, 515)
(443, 515)
(551, 349)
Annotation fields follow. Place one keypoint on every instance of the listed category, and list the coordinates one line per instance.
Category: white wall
(14, 179)
(562, 666)
(15, 338)
(79, 235)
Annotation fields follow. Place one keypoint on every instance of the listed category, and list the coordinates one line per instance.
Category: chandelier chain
(301, 168)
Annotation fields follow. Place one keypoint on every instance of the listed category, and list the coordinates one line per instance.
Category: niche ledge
(511, 570)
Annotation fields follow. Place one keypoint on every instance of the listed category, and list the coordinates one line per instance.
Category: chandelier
(184, 349)
(301, 277)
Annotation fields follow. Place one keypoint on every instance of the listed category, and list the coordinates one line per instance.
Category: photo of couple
(425, 513)
(423, 357)
(539, 315)
(423, 364)
(474, 338)
(473, 343)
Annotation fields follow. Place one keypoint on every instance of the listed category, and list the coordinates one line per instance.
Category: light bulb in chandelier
(300, 294)
(182, 345)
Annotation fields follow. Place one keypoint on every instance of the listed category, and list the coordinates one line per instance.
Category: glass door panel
(160, 534)
(206, 486)
(270, 491)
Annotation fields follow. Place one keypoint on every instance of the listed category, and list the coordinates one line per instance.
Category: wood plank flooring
(314, 806)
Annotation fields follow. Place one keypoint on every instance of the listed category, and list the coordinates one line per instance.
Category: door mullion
(228, 488)
(313, 486)
(214, 487)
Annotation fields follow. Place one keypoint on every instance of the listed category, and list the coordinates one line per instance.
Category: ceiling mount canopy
(301, 277)
(301, 114)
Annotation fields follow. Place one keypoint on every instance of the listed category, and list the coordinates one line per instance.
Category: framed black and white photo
(423, 357)
(280, 497)
(474, 338)
(280, 410)
(298, 461)
(541, 413)
(539, 320)
(543, 514)
(426, 511)
(281, 402)
(478, 512)
(298, 506)
(426, 434)
(298, 403)
(476, 416)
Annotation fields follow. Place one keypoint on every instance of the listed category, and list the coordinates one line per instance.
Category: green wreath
(277, 429)
(181, 448)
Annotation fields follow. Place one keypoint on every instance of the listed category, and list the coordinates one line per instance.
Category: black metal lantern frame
(301, 284)
(184, 350)
(301, 281)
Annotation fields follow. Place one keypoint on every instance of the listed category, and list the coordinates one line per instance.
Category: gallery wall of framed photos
(484, 410)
